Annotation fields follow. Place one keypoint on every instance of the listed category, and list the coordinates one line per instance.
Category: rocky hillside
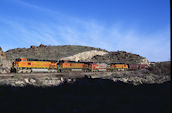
(120, 57)
(4, 63)
(76, 53)
(48, 52)
(2, 55)
(85, 56)
(160, 68)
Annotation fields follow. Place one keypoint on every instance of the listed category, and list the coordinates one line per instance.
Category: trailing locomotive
(24, 65)
(67, 66)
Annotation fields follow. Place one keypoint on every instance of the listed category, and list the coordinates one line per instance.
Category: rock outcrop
(5, 65)
(120, 57)
(85, 56)
(144, 61)
(2, 54)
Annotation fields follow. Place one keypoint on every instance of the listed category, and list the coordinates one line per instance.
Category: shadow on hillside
(87, 95)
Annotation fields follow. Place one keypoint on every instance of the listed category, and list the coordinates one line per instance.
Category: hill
(48, 52)
(120, 57)
(73, 52)
(160, 68)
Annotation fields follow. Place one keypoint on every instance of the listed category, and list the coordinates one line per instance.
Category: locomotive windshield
(18, 59)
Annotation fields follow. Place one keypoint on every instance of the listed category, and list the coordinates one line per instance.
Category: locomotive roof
(117, 63)
(30, 59)
(41, 60)
(61, 61)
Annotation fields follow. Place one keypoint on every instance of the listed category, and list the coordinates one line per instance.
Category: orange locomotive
(98, 67)
(64, 66)
(24, 65)
(119, 66)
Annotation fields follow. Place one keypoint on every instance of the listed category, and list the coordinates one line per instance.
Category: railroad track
(64, 74)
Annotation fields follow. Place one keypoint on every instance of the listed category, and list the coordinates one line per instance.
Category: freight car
(136, 66)
(133, 66)
(24, 65)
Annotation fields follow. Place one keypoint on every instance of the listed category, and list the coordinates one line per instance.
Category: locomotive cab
(21, 59)
(16, 63)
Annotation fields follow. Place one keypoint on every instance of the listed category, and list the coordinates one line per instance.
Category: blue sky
(136, 26)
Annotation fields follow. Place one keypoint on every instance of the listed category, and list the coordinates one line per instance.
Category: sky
(136, 26)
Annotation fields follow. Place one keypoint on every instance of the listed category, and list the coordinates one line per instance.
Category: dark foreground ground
(85, 96)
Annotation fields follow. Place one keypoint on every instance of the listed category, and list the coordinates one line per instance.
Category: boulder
(33, 47)
(32, 80)
(41, 45)
(144, 61)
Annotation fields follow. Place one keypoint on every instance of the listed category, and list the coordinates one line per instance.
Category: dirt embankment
(138, 77)
(5, 64)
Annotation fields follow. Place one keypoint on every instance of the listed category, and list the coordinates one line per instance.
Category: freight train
(25, 65)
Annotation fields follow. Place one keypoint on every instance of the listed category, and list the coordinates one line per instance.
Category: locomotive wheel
(19, 71)
(60, 70)
(53, 70)
(13, 70)
(24, 71)
(29, 70)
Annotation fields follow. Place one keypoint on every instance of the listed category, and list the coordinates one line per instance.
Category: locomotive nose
(15, 64)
